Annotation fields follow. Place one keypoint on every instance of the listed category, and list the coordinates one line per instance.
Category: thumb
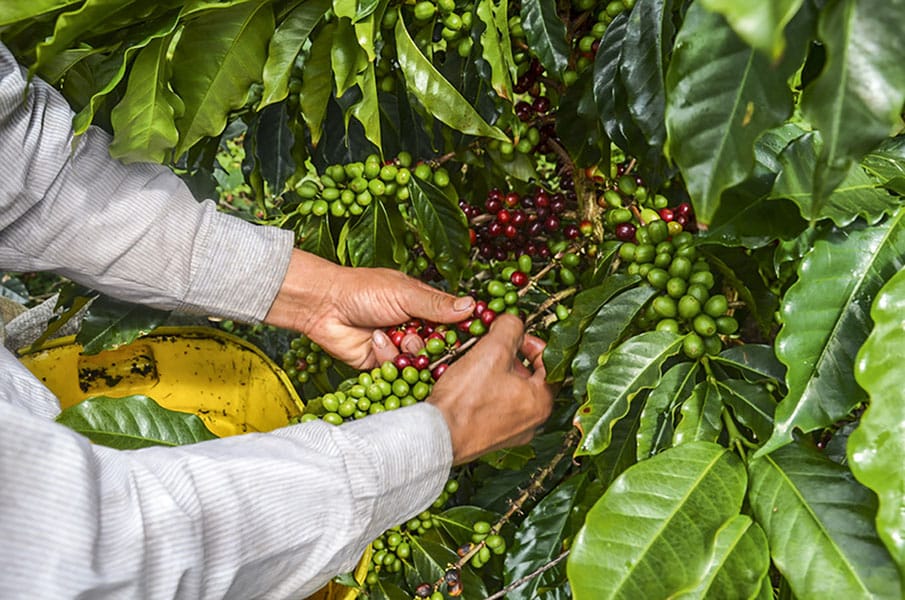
(506, 332)
(426, 302)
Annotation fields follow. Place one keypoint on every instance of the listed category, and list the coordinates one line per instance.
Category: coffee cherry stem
(554, 262)
(637, 214)
(631, 165)
(453, 353)
(534, 488)
(548, 303)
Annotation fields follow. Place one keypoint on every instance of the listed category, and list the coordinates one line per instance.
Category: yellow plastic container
(230, 384)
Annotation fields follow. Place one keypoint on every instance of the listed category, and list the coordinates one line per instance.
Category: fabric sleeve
(252, 516)
(132, 231)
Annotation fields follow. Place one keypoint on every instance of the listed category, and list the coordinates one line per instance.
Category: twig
(546, 304)
(522, 580)
(534, 487)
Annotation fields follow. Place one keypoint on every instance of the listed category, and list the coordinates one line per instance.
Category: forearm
(134, 232)
(273, 515)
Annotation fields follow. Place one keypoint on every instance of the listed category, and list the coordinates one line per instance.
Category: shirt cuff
(239, 267)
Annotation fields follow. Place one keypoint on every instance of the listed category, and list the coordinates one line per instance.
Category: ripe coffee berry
(518, 279)
(625, 232)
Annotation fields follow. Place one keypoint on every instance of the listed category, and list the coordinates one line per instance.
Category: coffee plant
(697, 204)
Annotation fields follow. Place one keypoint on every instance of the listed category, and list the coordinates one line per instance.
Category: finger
(533, 349)
(412, 343)
(426, 302)
(383, 347)
(508, 330)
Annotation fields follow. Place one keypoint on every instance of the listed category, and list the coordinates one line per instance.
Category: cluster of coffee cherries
(589, 40)
(493, 544)
(392, 549)
(667, 258)
(383, 388)
(509, 224)
(439, 26)
(437, 338)
(303, 359)
(452, 581)
(347, 190)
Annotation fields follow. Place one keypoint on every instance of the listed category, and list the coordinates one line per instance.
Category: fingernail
(464, 303)
(379, 339)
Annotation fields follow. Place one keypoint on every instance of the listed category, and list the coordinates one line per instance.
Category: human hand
(344, 309)
(489, 399)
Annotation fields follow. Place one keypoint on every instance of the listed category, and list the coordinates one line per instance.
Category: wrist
(304, 291)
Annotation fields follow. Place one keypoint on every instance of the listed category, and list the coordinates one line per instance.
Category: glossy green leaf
(57, 67)
(656, 426)
(370, 240)
(887, 163)
(386, 590)
(457, 522)
(751, 403)
(314, 95)
(284, 47)
(217, 60)
(577, 124)
(721, 95)
(431, 560)
(653, 532)
(625, 371)
(607, 327)
(494, 45)
(876, 447)
(13, 12)
(70, 26)
(857, 100)
(545, 33)
(539, 538)
(111, 323)
(825, 316)
(738, 565)
(820, 525)
(348, 59)
(143, 121)
(273, 141)
(748, 216)
(609, 91)
(648, 38)
(367, 110)
(855, 196)
(133, 422)
(366, 31)
(435, 93)
(443, 228)
(109, 71)
(740, 270)
(699, 416)
(315, 237)
(565, 335)
(623, 449)
(760, 24)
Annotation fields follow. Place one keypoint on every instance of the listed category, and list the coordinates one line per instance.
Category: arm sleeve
(252, 516)
(132, 231)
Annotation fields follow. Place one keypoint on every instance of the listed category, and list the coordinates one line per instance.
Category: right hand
(489, 399)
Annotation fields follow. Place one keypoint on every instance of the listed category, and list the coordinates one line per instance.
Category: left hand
(345, 309)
